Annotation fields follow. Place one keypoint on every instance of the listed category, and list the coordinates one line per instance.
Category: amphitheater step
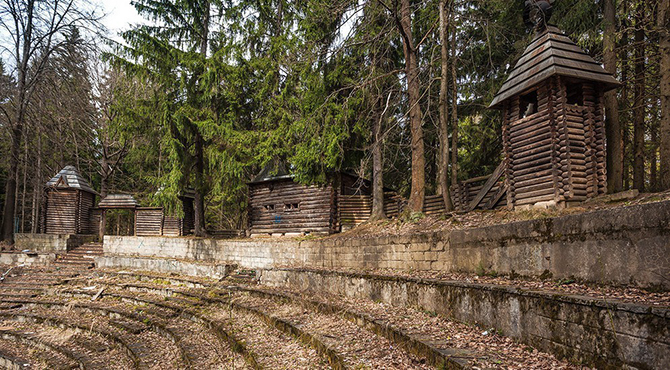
(153, 320)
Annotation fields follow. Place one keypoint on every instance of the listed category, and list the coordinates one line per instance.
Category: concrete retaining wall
(50, 243)
(583, 330)
(41, 259)
(164, 265)
(628, 245)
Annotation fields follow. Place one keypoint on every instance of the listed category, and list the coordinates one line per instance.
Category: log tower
(553, 123)
(69, 199)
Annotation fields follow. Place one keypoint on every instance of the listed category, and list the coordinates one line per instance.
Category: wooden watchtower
(553, 123)
(69, 199)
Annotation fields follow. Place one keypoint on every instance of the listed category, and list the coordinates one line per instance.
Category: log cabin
(68, 202)
(553, 123)
(278, 205)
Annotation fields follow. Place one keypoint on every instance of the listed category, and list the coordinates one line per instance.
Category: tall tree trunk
(443, 159)
(638, 109)
(653, 159)
(199, 201)
(24, 185)
(663, 21)
(613, 128)
(104, 176)
(418, 187)
(624, 102)
(37, 185)
(378, 167)
(11, 186)
(454, 112)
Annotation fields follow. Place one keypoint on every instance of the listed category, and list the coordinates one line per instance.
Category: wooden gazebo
(553, 123)
(116, 202)
(69, 199)
(149, 221)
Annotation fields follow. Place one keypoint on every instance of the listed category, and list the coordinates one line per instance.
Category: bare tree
(36, 30)
(111, 86)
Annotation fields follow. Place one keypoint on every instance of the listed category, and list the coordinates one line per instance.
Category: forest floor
(457, 220)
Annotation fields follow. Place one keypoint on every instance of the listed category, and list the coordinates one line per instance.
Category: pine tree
(177, 54)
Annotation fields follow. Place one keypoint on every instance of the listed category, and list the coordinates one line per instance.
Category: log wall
(83, 219)
(152, 222)
(68, 211)
(558, 153)
(281, 207)
(356, 209)
(61, 212)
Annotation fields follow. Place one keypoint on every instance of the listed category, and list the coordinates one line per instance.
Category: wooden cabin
(69, 199)
(553, 123)
(280, 206)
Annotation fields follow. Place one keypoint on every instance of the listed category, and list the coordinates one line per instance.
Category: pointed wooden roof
(68, 177)
(552, 53)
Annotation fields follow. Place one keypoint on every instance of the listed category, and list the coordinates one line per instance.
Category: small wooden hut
(280, 206)
(553, 123)
(69, 199)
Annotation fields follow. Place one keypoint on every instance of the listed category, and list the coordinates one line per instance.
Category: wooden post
(103, 220)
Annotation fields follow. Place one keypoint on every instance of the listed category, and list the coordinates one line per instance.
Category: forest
(205, 93)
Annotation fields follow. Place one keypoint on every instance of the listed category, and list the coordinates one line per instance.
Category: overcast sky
(120, 14)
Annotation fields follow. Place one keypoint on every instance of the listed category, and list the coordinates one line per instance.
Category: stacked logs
(148, 221)
(558, 153)
(61, 211)
(354, 210)
(289, 207)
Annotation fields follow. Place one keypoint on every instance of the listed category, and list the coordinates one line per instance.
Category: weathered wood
(492, 180)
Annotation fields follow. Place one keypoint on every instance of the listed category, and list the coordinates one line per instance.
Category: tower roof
(552, 53)
(69, 178)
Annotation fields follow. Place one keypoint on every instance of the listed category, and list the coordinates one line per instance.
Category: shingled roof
(68, 177)
(118, 201)
(552, 53)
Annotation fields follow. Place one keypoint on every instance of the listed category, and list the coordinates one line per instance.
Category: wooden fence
(355, 209)
(484, 192)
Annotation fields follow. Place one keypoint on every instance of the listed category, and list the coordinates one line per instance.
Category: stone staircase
(80, 257)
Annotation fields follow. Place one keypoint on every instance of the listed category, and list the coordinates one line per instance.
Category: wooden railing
(484, 192)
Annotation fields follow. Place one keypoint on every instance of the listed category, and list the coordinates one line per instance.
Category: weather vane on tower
(537, 13)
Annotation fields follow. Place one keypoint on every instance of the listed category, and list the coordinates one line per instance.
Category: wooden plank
(487, 186)
(493, 200)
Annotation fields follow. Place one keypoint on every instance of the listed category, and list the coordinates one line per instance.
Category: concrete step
(69, 263)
